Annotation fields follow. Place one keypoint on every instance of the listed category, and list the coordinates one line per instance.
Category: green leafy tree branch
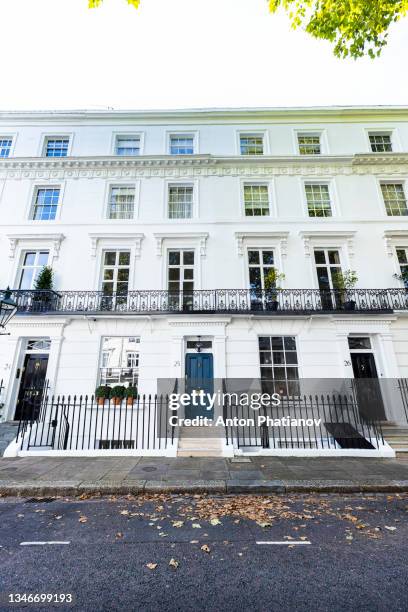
(356, 28)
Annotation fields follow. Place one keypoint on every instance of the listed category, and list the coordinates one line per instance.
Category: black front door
(367, 386)
(31, 386)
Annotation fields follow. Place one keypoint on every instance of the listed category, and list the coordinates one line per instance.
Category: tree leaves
(356, 27)
(96, 3)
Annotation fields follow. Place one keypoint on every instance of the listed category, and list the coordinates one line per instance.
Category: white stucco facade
(219, 232)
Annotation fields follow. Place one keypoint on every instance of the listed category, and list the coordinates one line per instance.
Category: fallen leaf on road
(173, 563)
(151, 566)
(205, 548)
(264, 524)
(119, 535)
(193, 541)
(178, 524)
(57, 518)
(125, 512)
(196, 526)
(390, 528)
(82, 519)
(215, 521)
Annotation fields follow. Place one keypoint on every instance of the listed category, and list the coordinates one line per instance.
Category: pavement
(53, 476)
(314, 553)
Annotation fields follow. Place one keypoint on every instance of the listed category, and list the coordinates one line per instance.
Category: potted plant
(44, 284)
(117, 394)
(271, 285)
(102, 393)
(403, 277)
(344, 283)
(131, 395)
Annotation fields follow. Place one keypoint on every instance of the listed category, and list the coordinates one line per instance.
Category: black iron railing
(304, 422)
(86, 423)
(297, 301)
(1, 398)
(403, 387)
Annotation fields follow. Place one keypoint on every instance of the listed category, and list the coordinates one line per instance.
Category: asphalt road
(357, 557)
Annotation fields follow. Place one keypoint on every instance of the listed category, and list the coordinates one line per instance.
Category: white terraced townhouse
(204, 248)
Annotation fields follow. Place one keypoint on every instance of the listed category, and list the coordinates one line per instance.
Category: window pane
(128, 145)
(180, 202)
(174, 274)
(124, 258)
(359, 343)
(290, 343)
(380, 143)
(320, 257)
(318, 200)
(256, 199)
(394, 199)
(188, 258)
(110, 258)
(56, 147)
(309, 144)
(5, 147)
(251, 145)
(264, 343)
(174, 258)
(121, 202)
(267, 257)
(277, 343)
(334, 257)
(181, 145)
(253, 257)
(402, 256)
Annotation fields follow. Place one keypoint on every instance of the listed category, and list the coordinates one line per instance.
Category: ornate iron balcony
(235, 301)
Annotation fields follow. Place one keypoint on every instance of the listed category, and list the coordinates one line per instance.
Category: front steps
(397, 438)
(8, 431)
(196, 442)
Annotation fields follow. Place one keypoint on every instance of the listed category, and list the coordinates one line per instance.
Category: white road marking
(42, 543)
(287, 543)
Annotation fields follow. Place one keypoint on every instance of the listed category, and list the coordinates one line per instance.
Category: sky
(57, 54)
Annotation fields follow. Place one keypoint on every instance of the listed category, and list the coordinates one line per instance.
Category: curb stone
(137, 487)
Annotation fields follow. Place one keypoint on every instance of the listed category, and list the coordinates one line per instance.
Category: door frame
(21, 352)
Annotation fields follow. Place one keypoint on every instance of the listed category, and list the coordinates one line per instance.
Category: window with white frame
(5, 146)
(380, 142)
(318, 200)
(46, 202)
(115, 273)
(56, 147)
(394, 199)
(127, 145)
(180, 275)
(256, 200)
(251, 144)
(309, 144)
(181, 144)
(261, 263)
(328, 268)
(119, 361)
(181, 201)
(32, 264)
(402, 256)
(121, 202)
(279, 365)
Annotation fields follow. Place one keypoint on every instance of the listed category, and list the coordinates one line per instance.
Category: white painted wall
(85, 178)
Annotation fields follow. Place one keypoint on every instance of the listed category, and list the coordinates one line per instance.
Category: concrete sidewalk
(48, 476)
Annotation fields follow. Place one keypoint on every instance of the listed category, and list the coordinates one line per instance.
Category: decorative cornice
(281, 237)
(53, 239)
(135, 239)
(376, 321)
(309, 235)
(196, 166)
(199, 322)
(200, 237)
(391, 237)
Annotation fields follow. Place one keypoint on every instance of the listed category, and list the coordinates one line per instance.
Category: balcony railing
(294, 301)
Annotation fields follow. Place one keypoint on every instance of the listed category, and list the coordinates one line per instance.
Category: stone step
(199, 453)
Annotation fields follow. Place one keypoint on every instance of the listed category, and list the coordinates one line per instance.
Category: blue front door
(199, 376)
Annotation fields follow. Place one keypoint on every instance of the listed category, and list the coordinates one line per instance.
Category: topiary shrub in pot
(117, 394)
(272, 288)
(131, 395)
(44, 284)
(102, 393)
